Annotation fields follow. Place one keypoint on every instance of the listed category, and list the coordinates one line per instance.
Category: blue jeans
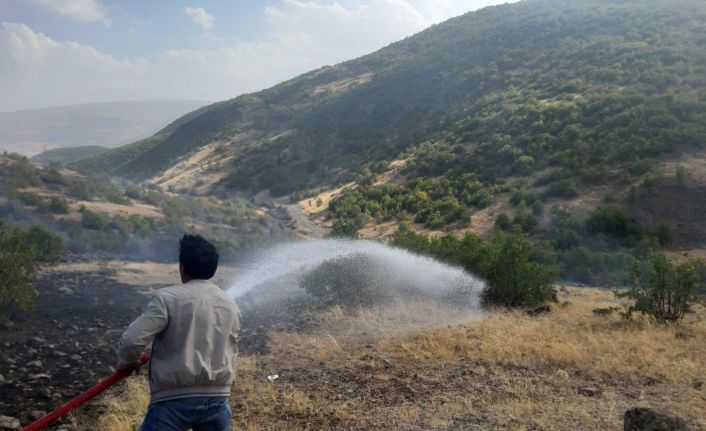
(197, 413)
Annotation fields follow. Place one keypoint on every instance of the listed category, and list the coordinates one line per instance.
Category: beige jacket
(193, 329)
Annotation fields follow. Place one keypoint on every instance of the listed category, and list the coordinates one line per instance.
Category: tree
(513, 278)
(663, 289)
(343, 229)
(17, 266)
(46, 245)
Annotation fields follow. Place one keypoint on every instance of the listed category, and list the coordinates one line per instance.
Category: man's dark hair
(198, 257)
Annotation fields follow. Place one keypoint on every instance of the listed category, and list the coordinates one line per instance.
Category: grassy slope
(506, 371)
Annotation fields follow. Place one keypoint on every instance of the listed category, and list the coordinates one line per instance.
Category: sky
(62, 52)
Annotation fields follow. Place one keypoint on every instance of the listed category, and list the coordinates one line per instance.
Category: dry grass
(419, 367)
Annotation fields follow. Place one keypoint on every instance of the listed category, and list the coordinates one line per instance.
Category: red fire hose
(83, 398)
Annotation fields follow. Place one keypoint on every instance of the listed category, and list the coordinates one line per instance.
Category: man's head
(198, 258)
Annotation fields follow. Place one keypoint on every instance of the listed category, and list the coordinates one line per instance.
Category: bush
(58, 205)
(663, 289)
(564, 188)
(343, 229)
(505, 262)
(353, 281)
(613, 222)
(513, 278)
(93, 220)
(17, 266)
(29, 199)
(46, 245)
(503, 222)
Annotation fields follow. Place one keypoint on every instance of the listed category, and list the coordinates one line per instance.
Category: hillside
(580, 123)
(583, 87)
(97, 217)
(105, 124)
(67, 155)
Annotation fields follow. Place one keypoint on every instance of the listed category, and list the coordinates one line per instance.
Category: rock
(40, 376)
(542, 309)
(590, 391)
(386, 363)
(66, 291)
(58, 354)
(2, 379)
(35, 364)
(9, 423)
(75, 358)
(645, 419)
(45, 392)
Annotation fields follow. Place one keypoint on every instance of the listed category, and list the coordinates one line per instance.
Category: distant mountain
(111, 124)
(67, 155)
(582, 86)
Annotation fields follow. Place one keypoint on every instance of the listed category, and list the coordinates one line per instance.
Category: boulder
(645, 419)
(34, 364)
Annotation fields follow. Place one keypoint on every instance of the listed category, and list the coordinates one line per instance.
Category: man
(193, 329)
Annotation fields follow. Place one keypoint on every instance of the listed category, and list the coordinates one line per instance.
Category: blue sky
(57, 52)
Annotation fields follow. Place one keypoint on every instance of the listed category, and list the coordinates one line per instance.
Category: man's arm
(141, 332)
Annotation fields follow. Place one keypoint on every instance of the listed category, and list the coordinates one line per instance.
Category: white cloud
(199, 16)
(81, 10)
(36, 70)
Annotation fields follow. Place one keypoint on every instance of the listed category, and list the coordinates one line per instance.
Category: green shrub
(343, 229)
(611, 221)
(29, 199)
(503, 222)
(93, 220)
(58, 205)
(565, 188)
(17, 266)
(47, 246)
(664, 231)
(513, 279)
(524, 219)
(505, 262)
(663, 289)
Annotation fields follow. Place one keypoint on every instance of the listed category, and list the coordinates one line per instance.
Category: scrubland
(419, 367)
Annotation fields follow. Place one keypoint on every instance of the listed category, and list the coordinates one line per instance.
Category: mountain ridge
(536, 78)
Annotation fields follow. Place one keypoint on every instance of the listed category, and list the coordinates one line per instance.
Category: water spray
(275, 271)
